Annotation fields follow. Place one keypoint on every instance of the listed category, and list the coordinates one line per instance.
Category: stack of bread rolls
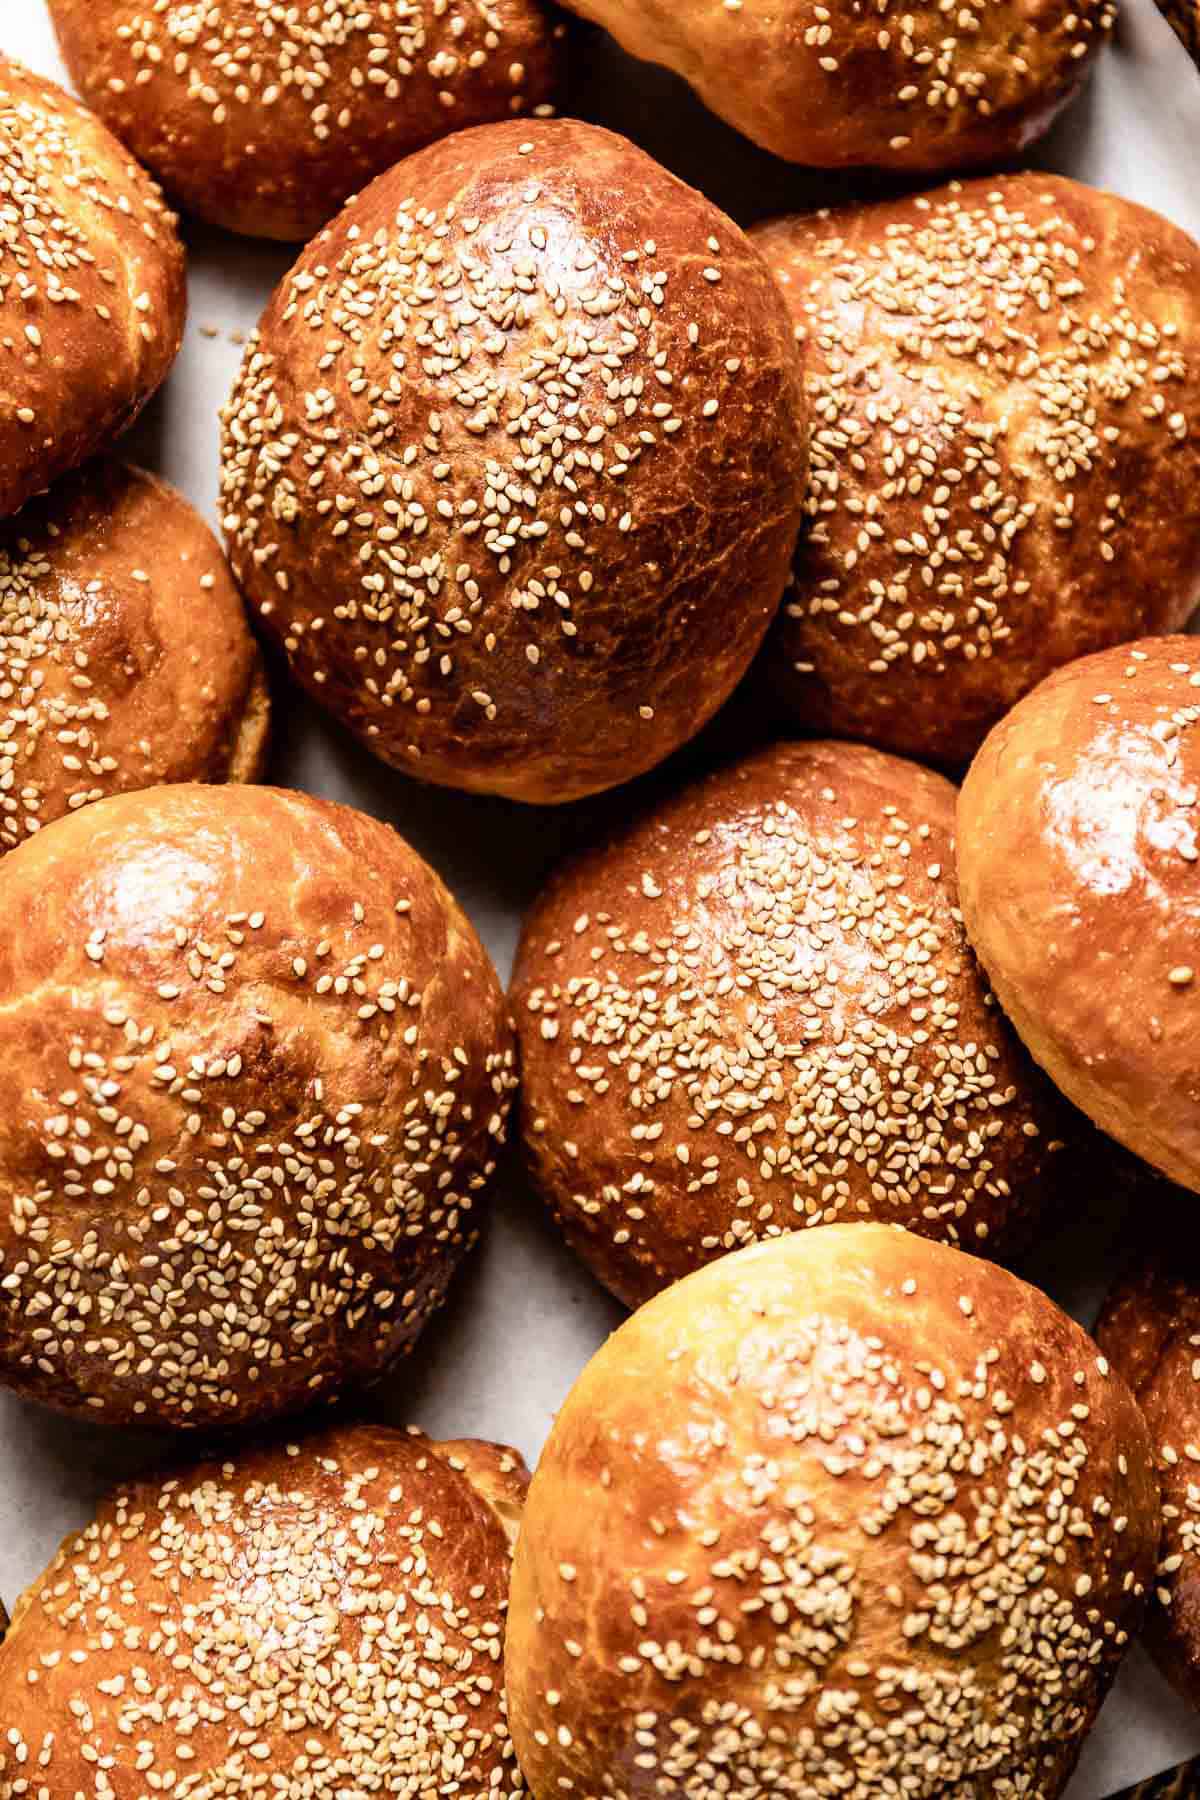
(535, 460)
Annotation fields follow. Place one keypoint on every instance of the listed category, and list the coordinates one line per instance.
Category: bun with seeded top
(254, 1075)
(755, 1010)
(127, 643)
(515, 463)
(1007, 378)
(92, 291)
(850, 1513)
(842, 84)
(326, 1617)
(1078, 838)
(265, 118)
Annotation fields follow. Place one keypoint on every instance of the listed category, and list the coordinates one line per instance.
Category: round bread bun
(265, 118)
(755, 1009)
(93, 294)
(1005, 382)
(1078, 837)
(849, 85)
(1150, 1332)
(515, 463)
(325, 1617)
(128, 661)
(850, 1513)
(254, 1073)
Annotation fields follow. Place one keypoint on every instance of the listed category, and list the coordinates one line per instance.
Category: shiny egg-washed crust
(92, 285)
(125, 647)
(1078, 852)
(1004, 380)
(254, 1074)
(902, 84)
(850, 1513)
(755, 1009)
(321, 1617)
(1150, 1332)
(515, 463)
(265, 117)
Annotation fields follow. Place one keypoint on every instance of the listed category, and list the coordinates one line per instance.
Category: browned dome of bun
(1077, 850)
(254, 1072)
(127, 656)
(755, 1009)
(1150, 1331)
(321, 1618)
(265, 118)
(851, 1514)
(515, 463)
(92, 285)
(923, 87)
(1005, 378)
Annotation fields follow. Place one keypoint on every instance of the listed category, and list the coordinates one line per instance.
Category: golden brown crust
(254, 1072)
(92, 285)
(322, 1617)
(907, 87)
(1077, 844)
(1005, 378)
(266, 120)
(755, 1009)
(127, 657)
(1150, 1331)
(850, 1512)
(515, 463)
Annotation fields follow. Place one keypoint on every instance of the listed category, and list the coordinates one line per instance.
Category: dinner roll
(849, 1513)
(515, 463)
(254, 1069)
(929, 87)
(321, 1618)
(265, 117)
(1005, 376)
(92, 286)
(755, 1009)
(126, 653)
(1150, 1332)
(1077, 846)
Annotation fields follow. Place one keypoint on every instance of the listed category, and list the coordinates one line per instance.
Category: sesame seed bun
(850, 1513)
(129, 659)
(843, 84)
(266, 118)
(755, 1009)
(93, 301)
(1077, 845)
(1006, 378)
(254, 1073)
(515, 463)
(1150, 1332)
(325, 1617)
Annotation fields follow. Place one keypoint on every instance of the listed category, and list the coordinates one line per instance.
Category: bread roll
(1005, 376)
(849, 1513)
(846, 84)
(1077, 845)
(127, 656)
(514, 466)
(1150, 1332)
(325, 1617)
(254, 1072)
(92, 297)
(265, 118)
(755, 1009)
